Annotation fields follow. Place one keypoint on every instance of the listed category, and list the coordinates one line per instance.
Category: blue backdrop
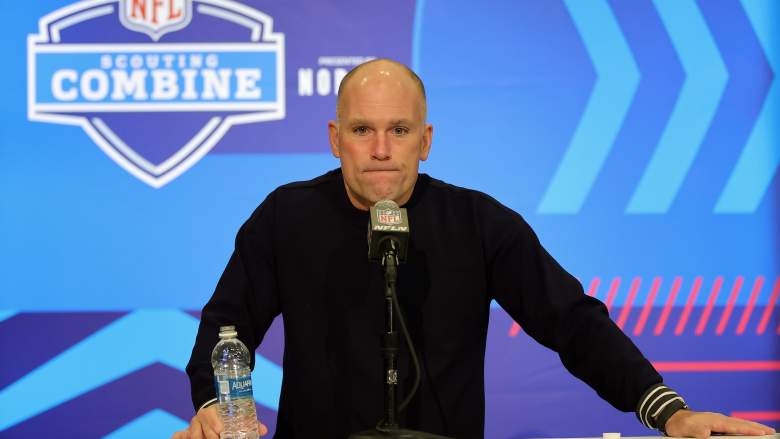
(639, 139)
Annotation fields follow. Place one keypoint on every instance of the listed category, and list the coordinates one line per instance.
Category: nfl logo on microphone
(156, 83)
(389, 217)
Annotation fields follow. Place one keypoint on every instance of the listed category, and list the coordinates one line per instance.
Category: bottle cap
(227, 332)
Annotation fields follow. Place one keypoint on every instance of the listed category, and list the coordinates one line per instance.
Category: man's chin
(365, 201)
(385, 196)
(379, 194)
(373, 201)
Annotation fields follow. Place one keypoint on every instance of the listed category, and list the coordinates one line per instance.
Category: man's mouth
(380, 170)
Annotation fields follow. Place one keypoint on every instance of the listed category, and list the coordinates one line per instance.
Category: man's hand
(206, 425)
(687, 423)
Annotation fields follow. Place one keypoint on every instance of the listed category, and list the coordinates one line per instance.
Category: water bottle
(233, 379)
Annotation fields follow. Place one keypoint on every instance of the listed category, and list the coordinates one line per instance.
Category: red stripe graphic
(724, 318)
(514, 330)
(612, 292)
(647, 308)
(659, 327)
(769, 307)
(710, 302)
(716, 366)
(640, 326)
(594, 286)
(688, 306)
(629, 302)
(757, 416)
(757, 285)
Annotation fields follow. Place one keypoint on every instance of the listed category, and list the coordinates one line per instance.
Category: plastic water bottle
(233, 379)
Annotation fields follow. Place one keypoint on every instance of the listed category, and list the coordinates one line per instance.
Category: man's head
(380, 134)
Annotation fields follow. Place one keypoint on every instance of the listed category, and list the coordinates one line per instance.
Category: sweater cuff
(207, 404)
(202, 396)
(658, 403)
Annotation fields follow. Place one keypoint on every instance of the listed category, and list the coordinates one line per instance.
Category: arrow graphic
(133, 342)
(705, 82)
(616, 83)
(6, 314)
(154, 424)
(760, 159)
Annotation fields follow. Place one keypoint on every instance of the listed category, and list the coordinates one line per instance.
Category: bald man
(302, 254)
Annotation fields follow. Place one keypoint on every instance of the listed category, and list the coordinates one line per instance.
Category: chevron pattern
(706, 77)
(154, 424)
(693, 112)
(760, 159)
(131, 343)
(618, 77)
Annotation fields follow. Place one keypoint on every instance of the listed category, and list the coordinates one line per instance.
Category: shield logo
(389, 217)
(158, 92)
(155, 17)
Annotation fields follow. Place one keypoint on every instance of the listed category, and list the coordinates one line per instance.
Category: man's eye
(400, 131)
(360, 131)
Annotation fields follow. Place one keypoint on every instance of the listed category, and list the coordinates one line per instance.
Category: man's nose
(381, 147)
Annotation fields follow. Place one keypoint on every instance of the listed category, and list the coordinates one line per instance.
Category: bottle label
(232, 388)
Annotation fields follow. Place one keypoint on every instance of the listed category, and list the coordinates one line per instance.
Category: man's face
(381, 135)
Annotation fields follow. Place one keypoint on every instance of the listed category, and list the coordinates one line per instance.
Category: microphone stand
(388, 427)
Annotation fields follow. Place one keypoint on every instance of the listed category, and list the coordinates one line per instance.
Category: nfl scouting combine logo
(156, 83)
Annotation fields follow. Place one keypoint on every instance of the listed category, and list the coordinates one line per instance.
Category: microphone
(388, 231)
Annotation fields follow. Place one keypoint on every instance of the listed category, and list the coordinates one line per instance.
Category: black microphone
(388, 231)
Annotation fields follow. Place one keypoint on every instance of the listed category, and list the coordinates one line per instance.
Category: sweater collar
(360, 217)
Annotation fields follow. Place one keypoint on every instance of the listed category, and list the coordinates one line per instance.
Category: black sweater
(302, 253)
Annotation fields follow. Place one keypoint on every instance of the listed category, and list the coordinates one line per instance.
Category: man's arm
(551, 306)
(246, 297)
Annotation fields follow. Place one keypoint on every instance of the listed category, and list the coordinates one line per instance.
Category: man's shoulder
(476, 197)
(296, 194)
(302, 186)
(462, 203)
(319, 190)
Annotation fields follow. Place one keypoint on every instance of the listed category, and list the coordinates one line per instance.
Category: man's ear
(427, 141)
(333, 136)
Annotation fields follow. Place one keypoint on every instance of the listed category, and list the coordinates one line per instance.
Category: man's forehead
(361, 120)
(381, 107)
